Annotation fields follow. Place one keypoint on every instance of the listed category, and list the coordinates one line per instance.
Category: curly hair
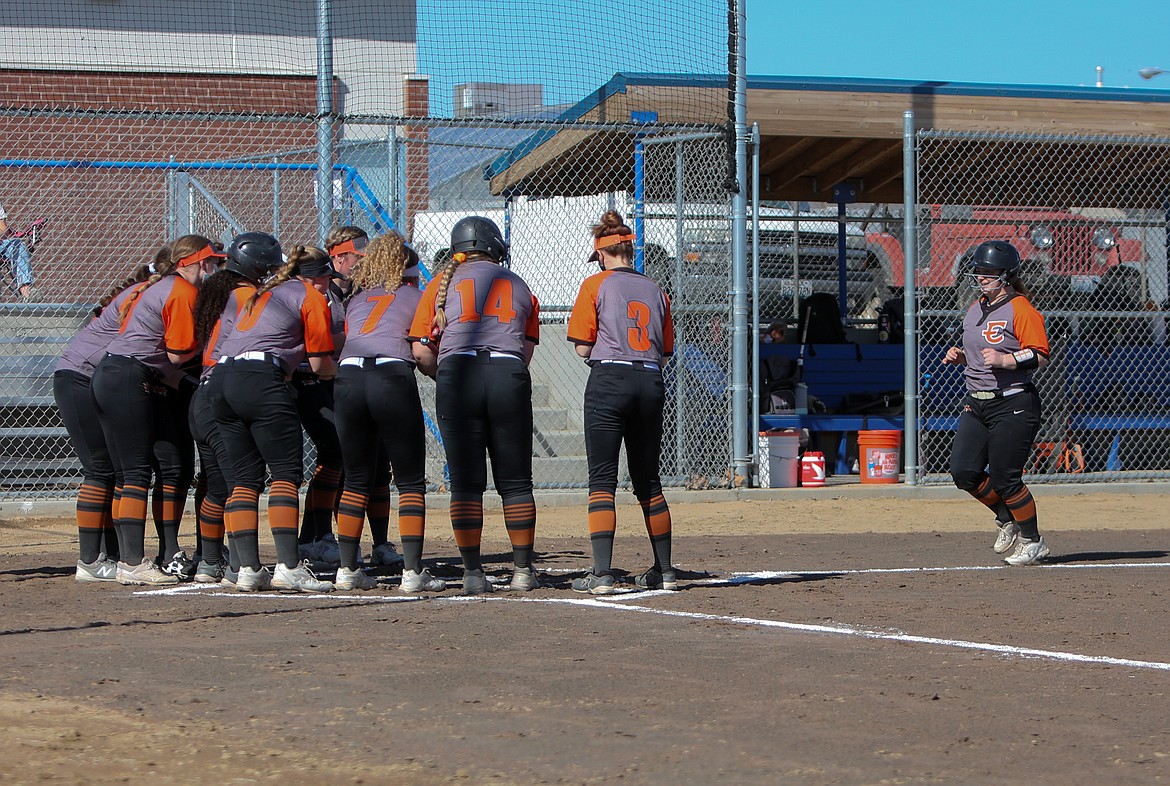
(211, 301)
(386, 257)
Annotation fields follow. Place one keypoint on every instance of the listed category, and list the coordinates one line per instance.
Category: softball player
(157, 335)
(474, 331)
(250, 258)
(74, 397)
(621, 325)
(284, 321)
(1004, 342)
(347, 246)
(378, 406)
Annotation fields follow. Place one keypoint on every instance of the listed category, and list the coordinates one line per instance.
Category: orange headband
(356, 245)
(199, 256)
(612, 240)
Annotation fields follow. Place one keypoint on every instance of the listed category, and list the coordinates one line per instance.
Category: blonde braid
(440, 321)
(289, 270)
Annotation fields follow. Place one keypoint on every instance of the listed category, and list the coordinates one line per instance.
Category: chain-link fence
(1089, 218)
(125, 125)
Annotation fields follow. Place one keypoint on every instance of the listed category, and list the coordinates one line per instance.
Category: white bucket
(779, 459)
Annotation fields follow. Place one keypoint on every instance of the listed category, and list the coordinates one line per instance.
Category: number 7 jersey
(623, 315)
(488, 308)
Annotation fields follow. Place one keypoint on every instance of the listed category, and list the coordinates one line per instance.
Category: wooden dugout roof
(817, 132)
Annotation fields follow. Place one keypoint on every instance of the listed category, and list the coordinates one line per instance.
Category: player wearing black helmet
(1004, 343)
(475, 330)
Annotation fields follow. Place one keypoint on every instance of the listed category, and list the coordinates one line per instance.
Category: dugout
(1095, 148)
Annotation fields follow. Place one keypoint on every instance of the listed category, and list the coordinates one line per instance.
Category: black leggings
(484, 404)
(376, 406)
(74, 396)
(995, 435)
(624, 403)
(258, 423)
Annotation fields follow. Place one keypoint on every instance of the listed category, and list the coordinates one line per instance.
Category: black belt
(988, 395)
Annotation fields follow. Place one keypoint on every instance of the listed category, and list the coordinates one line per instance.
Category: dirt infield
(840, 640)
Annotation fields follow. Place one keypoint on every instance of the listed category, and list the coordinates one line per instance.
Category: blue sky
(1034, 42)
(572, 48)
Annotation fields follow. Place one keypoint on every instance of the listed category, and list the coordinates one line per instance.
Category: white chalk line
(612, 602)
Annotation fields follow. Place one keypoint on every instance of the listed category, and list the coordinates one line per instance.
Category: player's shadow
(784, 578)
(1102, 556)
(45, 572)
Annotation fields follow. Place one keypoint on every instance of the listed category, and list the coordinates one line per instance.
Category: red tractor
(1065, 253)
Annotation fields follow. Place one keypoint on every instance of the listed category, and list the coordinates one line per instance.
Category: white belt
(366, 361)
(266, 357)
(642, 363)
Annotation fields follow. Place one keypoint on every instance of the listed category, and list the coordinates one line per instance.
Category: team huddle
(230, 354)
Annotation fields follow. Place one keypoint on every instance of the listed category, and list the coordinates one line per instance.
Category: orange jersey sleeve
(667, 328)
(209, 358)
(532, 327)
(179, 318)
(1029, 326)
(318, 321)
(424, 314)
(583, 318)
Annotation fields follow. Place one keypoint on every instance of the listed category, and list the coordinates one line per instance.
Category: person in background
(1004, 343)
(16, 251)
(621, 325)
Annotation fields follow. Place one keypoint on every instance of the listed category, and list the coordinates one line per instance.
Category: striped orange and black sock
(412, 522)
(602, 526)
(284, 507)
(467, 524)
(989, 497)
(320, 502)
(351, 514)
(211, 529)
(657, 515)
(169, 512)
(241, 517)
(132, 522)
(520, 521)
(93, 506)
(378, 514)
(1023, 510)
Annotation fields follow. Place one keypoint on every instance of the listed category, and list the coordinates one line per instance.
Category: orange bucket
(880, 455)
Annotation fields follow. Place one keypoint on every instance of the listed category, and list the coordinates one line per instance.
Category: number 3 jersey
(623, 315)
(1008, 326)
(377, 321)
(488, 308)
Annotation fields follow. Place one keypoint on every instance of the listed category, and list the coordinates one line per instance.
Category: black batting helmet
(995, 255)
(253, 255)
(476, 233)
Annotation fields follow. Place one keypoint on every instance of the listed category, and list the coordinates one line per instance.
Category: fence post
(740, 428)
(324, 119)
(909, 313)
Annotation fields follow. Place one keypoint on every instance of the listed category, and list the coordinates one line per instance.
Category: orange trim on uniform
(612, 240)
(667, 327)
(355, 245)
(424, 312)
(178, 316)
(200, 255)
(317, 318)
(532, 327)
(1028, 325)
(583, 318)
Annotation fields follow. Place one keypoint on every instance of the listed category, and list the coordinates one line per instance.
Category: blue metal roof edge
(621, 81)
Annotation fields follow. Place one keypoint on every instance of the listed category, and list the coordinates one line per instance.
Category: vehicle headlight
(1041, 237)
(1103, 238)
